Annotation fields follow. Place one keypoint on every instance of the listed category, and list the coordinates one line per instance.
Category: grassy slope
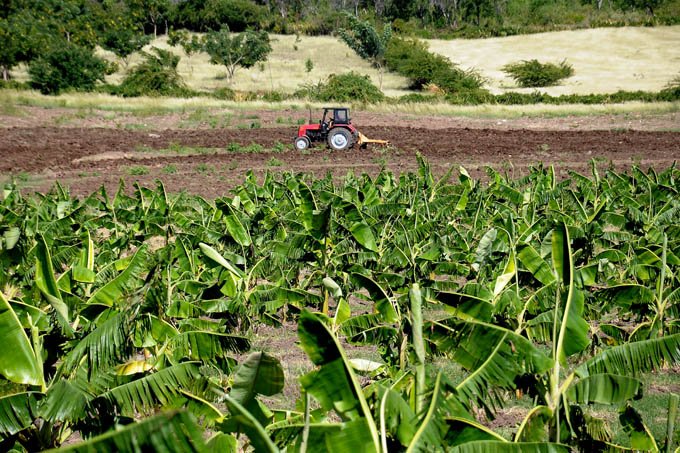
(605, 59)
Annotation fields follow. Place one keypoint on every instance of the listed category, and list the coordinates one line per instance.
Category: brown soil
(85, 158)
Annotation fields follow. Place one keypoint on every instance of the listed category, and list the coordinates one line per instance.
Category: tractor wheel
(339, 139)
(302, 143)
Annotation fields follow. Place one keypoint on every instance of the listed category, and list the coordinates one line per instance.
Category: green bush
(416, 98)
(532, 73)
(672, 90)
(272, 96)
(225, 94)
(412, 59)
(15, 85)
(69, 67)
(348, 87)
(455, 79)
(156, 76)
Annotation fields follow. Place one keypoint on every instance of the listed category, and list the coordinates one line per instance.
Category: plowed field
(201, 161)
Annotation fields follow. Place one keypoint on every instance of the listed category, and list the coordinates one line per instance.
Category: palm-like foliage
(132, 304)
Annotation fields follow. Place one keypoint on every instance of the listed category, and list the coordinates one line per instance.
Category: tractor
(335, 129)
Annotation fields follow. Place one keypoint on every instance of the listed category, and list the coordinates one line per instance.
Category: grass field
(605, 60)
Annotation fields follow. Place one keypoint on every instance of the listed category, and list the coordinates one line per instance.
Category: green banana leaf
(530, 258)
(18, 361)
(334, 384)
(573, 333)
(259, 374)
(157, 389)
(495, 356)
(634, 358)
(604, 388)
(245, 422)
(172, 432)
(113, 291)
(364, 236)
(496, 446)
(47, 283)
(17, 412)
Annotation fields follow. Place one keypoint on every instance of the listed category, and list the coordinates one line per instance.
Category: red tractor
(335, 129)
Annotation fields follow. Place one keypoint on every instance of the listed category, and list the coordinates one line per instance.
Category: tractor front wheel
(339, 139)
(302, 143)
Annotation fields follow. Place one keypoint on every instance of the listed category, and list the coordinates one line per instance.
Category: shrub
(67, 67)
(671, 91)
(412, 59)
(532, 73)
(156, 76)
(455, 79)
(226, 94)
(272, 96)
(416, 98)
(348, 87)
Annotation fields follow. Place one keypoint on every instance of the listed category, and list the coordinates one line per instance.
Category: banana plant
(653, 303)
(499, 358)
(404, 414)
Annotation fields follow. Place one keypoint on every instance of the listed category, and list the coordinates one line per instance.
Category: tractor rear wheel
(302, 143)
(339, 139)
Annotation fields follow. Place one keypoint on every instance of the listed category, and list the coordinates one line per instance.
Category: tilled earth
(202, 161)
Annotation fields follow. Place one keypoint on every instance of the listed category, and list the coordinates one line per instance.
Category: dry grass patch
(605, 60)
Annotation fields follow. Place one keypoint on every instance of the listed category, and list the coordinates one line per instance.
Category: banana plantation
(127, 318)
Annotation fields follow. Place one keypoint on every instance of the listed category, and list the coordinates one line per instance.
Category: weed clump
(533, 73)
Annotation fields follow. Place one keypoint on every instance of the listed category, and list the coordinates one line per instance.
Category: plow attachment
(363, 141)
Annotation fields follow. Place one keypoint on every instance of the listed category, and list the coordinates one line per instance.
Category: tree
(647, 5)
(363, 38)
(71, 20)
(237, 14)
(16, 46)
(150, 11)
(191, 44)
(449, 9)
(244, 49)
(124, 42)
(71, 66)
(30, 28)
(202, 15)
(475, 9)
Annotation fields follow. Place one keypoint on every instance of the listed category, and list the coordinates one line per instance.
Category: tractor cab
(336, 116)
(333, 116)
